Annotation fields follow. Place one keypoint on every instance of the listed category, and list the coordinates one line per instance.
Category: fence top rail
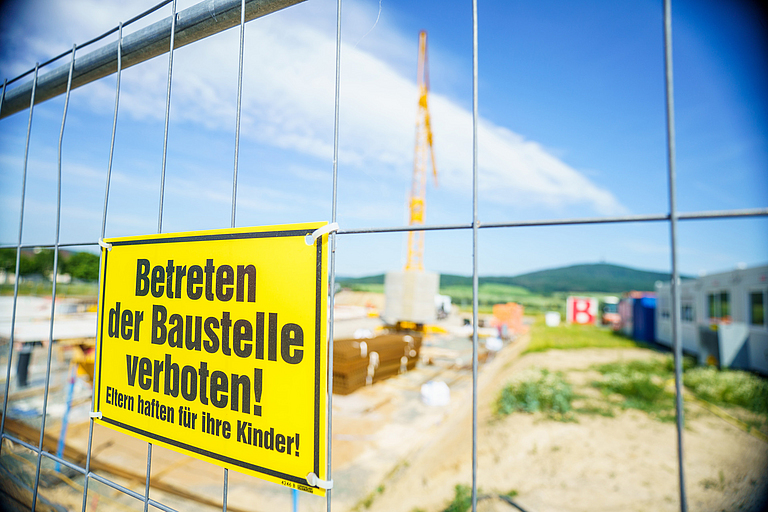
(197, 22)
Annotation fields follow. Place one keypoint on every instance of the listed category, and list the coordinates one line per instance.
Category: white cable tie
(314, 481)
(105, 244)
(311, 237)
(95, 415)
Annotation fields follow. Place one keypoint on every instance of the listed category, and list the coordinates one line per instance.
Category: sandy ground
(628, 462)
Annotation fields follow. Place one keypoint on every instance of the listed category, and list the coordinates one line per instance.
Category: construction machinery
(424, 155)
(410, 294)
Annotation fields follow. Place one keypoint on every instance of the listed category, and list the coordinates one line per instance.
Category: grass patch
(499, 293)
(483, 310)
(462, 499)
(604, 410)
(729, 388)
(45, 288)
(574, 336)
(511, 493)
(658, 367)
(488, 293)
(711, 483)
(641, 384)
(368, 500)
(365, 287)
(536, 390)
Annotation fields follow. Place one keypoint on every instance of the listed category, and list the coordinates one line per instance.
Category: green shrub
(462, 499)
(536, 390)
(729, 387)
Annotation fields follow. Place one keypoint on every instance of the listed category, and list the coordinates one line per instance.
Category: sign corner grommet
(328, 228)
(315, 481)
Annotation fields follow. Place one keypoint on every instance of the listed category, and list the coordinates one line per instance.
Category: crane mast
(423, 155)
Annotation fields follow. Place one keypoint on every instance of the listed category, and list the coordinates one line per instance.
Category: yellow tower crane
(423, 155)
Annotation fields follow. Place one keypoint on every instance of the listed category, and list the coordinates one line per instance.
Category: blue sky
(571, 99)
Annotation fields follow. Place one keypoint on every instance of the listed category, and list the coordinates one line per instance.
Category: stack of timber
(360, 362)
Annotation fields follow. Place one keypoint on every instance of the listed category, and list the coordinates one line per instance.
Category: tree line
(79, 265)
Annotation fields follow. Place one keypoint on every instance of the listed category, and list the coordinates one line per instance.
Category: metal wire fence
(189, 26)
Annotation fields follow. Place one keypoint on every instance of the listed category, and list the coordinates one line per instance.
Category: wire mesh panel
(149, 143)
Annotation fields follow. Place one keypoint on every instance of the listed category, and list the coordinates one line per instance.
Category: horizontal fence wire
(658, 217)
(81, 470)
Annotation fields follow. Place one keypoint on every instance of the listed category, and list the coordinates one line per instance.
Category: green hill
(600, 277)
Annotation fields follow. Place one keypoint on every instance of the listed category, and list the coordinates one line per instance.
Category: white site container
(410, 296)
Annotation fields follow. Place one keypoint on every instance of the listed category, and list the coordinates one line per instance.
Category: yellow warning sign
(213, 344)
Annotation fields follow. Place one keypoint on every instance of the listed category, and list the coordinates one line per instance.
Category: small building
(637, 316)
(722, 318)
(581, 310)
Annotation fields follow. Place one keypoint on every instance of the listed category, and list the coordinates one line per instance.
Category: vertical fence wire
(674, 285)
(53, 286)
(18, 248)
(162, 191)
(149, 471)
(119, 73)
(114, 126)
(475, 226)
(13, 317)
(234, 178)
(167, 118)
(239, 110)
(332, 246)
(225, 488)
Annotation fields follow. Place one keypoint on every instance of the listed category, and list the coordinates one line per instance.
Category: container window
(725, 306)
(688, 312)
(757, 308)
(719, 306)
(663, 305)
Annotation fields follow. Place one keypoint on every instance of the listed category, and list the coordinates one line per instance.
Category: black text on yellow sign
(214, 344)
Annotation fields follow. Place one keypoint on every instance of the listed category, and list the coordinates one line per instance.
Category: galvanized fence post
(475, 255)
(677, 340)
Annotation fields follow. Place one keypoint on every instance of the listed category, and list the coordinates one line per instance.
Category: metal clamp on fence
(328, 228)
(95, 415)
(104, 244)
(314, 481)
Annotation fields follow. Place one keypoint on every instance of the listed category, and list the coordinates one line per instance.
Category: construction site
(401, 432)
(228, 367)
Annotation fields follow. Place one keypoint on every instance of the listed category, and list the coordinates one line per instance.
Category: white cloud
(288, 103)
